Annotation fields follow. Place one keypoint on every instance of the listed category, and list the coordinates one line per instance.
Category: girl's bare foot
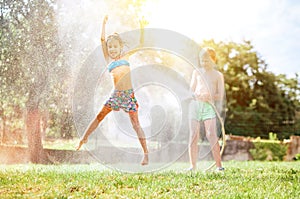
(83, 141)
(145, 159)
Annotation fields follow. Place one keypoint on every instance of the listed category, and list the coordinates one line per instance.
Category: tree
(258, 101)
(10, 73)
(34, 62)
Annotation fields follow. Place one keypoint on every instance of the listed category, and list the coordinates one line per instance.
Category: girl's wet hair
(115, 36)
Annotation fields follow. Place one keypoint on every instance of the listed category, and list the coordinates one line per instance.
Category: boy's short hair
(210, 51)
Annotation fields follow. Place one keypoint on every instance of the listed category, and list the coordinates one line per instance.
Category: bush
(271, 151)
(297, 157)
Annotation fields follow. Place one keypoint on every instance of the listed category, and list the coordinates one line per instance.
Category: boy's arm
(103, 42)
(193, 81)
(220, 88)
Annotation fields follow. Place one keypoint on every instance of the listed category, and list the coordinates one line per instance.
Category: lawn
(240, 180)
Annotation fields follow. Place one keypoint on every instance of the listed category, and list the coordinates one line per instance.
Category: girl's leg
(211, 134)
(93, 125)
(141, 135)
(193, 143)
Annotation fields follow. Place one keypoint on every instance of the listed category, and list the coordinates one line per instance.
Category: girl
(123, 95)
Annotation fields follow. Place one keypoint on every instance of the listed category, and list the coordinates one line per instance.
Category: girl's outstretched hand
(143, 22)
(105, 19)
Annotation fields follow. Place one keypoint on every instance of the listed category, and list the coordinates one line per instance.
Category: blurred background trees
(258, 101)
(33, 74)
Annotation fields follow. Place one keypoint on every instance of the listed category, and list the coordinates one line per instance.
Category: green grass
(60, 144)
(240, 180)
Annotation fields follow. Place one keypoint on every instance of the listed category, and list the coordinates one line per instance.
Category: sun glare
(204, 19)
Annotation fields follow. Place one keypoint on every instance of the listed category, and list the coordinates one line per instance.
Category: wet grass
(240, 180)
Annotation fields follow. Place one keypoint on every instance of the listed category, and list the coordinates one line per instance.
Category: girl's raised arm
(220, 88)
(103, 42)
(143, 23)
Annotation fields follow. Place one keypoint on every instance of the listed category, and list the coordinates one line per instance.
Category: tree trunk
(33, 128)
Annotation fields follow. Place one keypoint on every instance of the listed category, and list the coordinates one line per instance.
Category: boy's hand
(206, 97)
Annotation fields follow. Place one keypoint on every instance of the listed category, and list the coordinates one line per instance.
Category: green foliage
(258, 101)
(271, 151)
(297, 157)
(127, 11)
(240, 180)
(273, 136)
(33, 69)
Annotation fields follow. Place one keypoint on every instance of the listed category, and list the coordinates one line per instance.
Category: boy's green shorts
(202, 111)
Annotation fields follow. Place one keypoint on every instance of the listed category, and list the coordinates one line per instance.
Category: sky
(273, 26)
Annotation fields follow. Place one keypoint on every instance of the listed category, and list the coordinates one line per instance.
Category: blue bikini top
(117, 63)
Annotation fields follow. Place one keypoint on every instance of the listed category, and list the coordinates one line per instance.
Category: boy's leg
(141, 135)
(93, 125)
(211, 134)
(193, 143)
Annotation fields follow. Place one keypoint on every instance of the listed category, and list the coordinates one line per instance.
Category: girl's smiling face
(114, 48)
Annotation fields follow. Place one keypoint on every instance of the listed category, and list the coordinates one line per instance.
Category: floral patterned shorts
(123, 99)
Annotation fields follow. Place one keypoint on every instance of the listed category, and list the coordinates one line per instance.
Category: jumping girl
(123, 94)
